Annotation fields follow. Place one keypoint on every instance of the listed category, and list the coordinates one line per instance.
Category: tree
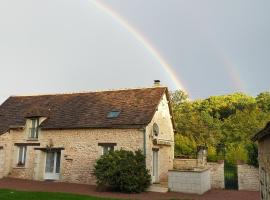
(223, 123)
(263, 101)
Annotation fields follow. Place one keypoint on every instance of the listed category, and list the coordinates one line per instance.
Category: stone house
(60, 137)
(263, 138)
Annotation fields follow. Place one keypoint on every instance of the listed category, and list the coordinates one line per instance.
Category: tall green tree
(223, 123)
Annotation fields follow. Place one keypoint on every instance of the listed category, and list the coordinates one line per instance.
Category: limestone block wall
(1, 162)
(184, 163)
(81, 150)
(248, 177)
(217, 174)
(6, 144)
(264, 162)
(162, 118)
(264, 153)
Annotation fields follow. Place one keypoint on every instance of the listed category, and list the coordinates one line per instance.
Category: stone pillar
(202, 156)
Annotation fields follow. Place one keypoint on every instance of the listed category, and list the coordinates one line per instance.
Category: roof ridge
(87, 92)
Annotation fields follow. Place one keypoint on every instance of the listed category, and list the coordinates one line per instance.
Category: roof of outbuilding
(83, 110)
(262, 133)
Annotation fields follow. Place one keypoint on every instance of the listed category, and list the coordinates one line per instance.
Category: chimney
(156, 83)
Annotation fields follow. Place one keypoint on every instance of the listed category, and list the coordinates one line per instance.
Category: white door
(155, 177)
(52, 167)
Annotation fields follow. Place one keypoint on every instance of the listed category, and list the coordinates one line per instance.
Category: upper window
(21, 156)
(33, 131)
(113, 114)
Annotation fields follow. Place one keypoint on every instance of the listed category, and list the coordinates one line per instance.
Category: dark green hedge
(123, 171)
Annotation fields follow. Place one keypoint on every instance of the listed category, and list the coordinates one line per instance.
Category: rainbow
(147, 45)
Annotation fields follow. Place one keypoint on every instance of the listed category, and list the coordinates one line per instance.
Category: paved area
(27, 185)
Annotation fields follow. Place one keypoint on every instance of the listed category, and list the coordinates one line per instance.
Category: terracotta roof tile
(83, 110)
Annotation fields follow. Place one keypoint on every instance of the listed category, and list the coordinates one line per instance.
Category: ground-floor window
(21, 155)
(107, 147)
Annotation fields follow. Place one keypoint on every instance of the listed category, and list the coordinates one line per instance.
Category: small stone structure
(195, 181)
(191, 175)
(248, 177)
(216, 169)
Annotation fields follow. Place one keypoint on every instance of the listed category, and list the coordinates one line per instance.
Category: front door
(155, 177)
(52, 166)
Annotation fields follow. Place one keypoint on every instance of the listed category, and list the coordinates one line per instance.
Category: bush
(252, 151)
(123, 171)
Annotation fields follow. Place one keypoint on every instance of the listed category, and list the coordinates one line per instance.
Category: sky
(204, 47)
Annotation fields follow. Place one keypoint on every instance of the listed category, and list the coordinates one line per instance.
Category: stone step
(158, 188)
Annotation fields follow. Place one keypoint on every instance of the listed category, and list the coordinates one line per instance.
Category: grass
(18, 195)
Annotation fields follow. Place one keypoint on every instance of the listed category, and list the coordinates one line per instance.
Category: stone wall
(184, 163)
(1, 162)
(81, 150)
(217, 174)
(163, 119)
(264, 162)
(248, 177)
(196, 182)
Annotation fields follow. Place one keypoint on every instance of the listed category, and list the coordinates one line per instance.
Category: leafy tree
(236, 153)
(224, 124)
(178, 97)
(185, 146)
(263, 101)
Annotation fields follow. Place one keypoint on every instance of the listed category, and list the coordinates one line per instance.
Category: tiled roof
(262, 133)
(83, 110)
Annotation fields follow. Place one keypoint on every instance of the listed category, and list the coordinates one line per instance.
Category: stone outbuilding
(60, 137)
(263, 138)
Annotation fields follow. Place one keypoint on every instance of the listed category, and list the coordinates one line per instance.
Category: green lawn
(16, 195)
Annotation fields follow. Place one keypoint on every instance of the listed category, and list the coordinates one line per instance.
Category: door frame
(53, 175)
(155, 164)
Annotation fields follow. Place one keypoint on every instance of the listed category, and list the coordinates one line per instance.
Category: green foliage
(263, 101)
(224, 124)
(212, 154)
(185, 146)
(123, 171)
(236, 153)
(252, 151)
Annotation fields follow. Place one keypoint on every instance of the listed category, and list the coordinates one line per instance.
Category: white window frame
(24, 151)
(109, 148)
(36, 125)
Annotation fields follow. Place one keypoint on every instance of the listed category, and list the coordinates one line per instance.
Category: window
(113, 114)
(107, 147)
(22, 156)
(33, 131)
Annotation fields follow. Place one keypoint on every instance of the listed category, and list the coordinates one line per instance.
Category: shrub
(252, 151)
(123, 171)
